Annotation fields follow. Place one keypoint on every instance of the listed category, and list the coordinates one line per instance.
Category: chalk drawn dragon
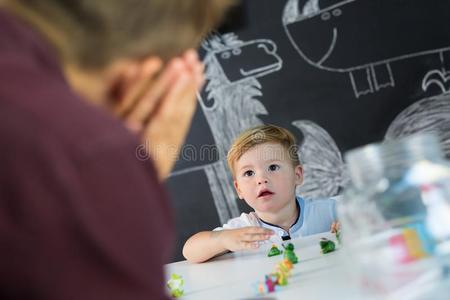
(232, 69)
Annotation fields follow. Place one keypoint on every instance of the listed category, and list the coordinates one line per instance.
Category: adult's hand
(159, 104)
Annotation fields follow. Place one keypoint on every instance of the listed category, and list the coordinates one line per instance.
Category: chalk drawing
(437, 78)
(426, 115)
(231, 105)
(324, 170)
(322, 40)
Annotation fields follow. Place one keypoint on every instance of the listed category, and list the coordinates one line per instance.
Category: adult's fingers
(136, 85)
(195, 66)
(155, 92)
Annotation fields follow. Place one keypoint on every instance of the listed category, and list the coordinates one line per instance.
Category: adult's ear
(298, 175)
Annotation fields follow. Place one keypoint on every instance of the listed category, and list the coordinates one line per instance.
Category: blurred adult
(81, 217)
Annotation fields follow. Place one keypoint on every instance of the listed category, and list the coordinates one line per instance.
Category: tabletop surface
(234, 275)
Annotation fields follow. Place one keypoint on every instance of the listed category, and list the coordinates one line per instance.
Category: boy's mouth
(265, 192)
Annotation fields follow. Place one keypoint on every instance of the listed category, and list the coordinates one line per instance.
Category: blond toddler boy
(266, 170)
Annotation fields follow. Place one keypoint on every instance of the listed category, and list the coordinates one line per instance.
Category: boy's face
(266, 178)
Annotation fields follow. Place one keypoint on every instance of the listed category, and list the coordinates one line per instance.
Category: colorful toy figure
(281, 279)
(283, 271)
(289, 253)
(268, 286)
(288, 264)
(271, 282)
(175, 285)
(274, 251)
(327, 246)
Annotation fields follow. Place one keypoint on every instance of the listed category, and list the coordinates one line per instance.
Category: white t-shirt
(315, 216)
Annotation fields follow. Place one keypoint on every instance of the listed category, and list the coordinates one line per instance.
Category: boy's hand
(159, 105)
(244, 238)
(335, 227)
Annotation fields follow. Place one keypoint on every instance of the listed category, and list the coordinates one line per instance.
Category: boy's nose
(262, 180)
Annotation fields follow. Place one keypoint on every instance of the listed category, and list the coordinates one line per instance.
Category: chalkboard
(338, 74)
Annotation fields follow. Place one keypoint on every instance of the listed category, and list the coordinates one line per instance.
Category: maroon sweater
(80, 217)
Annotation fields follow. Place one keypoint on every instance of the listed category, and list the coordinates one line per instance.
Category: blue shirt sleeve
(318, 216)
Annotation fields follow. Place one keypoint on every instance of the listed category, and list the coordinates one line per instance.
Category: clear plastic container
(395, 215)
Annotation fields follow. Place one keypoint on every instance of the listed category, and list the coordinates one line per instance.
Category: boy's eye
(248, 173)
(274, 167)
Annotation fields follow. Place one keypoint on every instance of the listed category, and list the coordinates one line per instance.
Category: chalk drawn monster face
(363, 38)
(346, 35)
(322, 15)
(255, 58)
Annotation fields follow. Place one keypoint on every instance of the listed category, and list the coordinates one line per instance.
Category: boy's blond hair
(260, 135)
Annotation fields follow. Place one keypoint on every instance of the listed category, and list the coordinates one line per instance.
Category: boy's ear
(298, 175)
(238, 191)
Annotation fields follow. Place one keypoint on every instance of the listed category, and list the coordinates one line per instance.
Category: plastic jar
(396, 214)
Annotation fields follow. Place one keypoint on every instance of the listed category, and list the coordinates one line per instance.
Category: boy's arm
(204, 245)
(208, 244)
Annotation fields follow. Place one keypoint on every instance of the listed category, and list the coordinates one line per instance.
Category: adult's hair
(96, 32)
(260, 135)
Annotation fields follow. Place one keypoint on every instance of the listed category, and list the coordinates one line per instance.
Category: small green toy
(289, 253)
(175, 285)
(274, 251)
(327, 246)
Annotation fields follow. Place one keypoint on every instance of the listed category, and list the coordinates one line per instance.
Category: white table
(232, 276)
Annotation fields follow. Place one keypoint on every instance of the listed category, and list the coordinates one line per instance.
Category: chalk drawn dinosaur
(319, 36)
(232, 69)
